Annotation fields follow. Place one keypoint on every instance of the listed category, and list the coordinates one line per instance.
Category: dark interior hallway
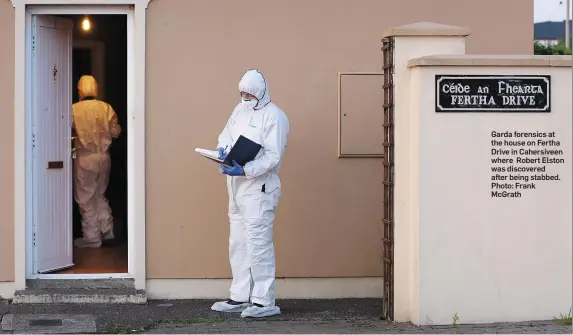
(111, 31)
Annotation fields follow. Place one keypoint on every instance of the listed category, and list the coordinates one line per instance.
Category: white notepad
(209, 154)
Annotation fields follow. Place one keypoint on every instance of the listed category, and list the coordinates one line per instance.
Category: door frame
(135, 11)
(31, 271)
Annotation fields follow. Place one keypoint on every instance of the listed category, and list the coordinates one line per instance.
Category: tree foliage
(559, 49)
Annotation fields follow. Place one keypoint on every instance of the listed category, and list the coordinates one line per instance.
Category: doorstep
(81, 291)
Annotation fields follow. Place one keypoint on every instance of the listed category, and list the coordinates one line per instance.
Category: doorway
(61, 50)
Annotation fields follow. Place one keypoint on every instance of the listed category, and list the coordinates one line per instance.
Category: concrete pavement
(298, 316)
(354, 327)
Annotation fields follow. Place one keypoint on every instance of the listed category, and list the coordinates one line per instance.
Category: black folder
(242, 152)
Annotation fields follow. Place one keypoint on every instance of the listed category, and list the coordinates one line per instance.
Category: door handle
(73, 149)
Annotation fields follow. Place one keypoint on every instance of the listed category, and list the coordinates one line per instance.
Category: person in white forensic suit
(254, 192)
(95, 124)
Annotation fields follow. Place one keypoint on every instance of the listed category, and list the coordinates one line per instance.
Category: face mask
(250, 104)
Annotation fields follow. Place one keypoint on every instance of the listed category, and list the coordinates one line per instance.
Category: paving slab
(49, 323)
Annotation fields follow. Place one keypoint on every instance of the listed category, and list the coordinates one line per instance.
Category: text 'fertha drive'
(493, 93)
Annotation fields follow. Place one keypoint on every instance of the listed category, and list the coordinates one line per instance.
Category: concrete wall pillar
(411, 41)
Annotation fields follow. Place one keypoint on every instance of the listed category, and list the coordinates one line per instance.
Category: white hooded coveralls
(96, 124)
(253, 198)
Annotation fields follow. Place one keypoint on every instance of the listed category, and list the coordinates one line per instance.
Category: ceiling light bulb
(86, 24)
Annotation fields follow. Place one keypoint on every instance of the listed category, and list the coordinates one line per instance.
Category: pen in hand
(222, 152)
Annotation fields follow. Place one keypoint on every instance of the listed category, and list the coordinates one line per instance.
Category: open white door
(51, 142)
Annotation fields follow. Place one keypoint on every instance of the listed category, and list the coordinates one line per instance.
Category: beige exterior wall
(328, 222)
(7, 141)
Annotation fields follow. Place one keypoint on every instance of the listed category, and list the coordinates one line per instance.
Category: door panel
(51, 132)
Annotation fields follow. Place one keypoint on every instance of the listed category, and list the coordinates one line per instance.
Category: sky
(550, 10)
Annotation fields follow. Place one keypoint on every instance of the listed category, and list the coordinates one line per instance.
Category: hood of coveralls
(253, 82)
(87, 87)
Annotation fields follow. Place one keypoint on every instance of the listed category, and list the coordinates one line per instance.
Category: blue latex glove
(236, 170)
(222, 153)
